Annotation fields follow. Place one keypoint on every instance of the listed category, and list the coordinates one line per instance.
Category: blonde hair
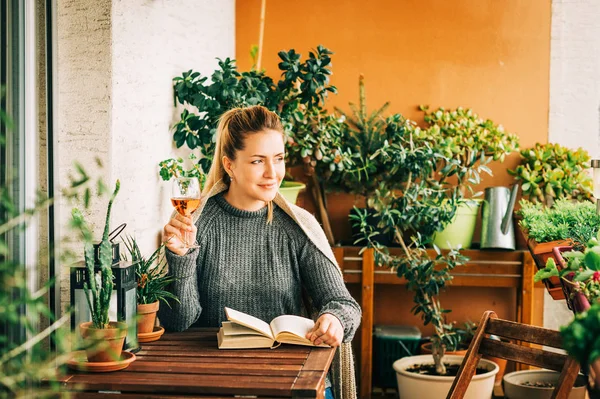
(234, 126)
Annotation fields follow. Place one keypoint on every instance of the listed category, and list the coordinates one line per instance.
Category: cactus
(100, 289)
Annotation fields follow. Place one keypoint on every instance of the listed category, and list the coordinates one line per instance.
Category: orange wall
(490, 55)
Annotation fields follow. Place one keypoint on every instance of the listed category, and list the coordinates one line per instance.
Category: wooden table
(189, 365)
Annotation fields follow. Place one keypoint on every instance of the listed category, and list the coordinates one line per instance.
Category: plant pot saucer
(151, 336)
(78, 361)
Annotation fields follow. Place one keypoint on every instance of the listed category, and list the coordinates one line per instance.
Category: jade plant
(564, 220)
(298, 97)
(468, 141)
(99, 286)
(548, 172)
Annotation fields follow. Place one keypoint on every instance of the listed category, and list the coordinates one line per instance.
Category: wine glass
(185, 197)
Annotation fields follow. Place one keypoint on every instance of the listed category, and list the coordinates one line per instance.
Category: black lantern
(123, 302)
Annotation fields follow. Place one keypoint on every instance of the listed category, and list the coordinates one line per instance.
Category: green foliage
(418, 200)
(580, 337)
(26, 361)
(467, 141)
(365, 134)
(170, 168)
(421, 207)
(549, 271)
(550, 171)
(313, 135)
(151, 274)
(582, 268)
(99, 287)
(565, 220)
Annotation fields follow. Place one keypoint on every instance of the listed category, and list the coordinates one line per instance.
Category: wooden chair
(482, 345)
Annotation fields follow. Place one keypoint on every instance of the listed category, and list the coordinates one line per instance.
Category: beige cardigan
(342, 369)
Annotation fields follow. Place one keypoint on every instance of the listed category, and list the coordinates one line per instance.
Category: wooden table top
(189, 363)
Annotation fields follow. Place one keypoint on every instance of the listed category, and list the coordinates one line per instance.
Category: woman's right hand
(175, 231)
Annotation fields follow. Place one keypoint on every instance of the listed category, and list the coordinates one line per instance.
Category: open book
(245, 331)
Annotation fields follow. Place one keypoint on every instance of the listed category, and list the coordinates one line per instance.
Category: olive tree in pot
(422, 206)
(152, 278)
(103, 339)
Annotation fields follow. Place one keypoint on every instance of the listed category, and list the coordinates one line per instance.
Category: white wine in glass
(185, 197)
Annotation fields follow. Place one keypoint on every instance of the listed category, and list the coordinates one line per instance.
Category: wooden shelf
(499, 269)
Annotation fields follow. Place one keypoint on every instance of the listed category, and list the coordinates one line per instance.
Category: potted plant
(550, 171)
(580, 340)
(313, 135)
(474, 142)
(564, 223)
(152, 278)
(422, 206)
(579, 272)
(365, 133)
(103, 338)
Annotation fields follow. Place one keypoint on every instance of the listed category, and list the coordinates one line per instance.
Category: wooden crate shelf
(499, 269)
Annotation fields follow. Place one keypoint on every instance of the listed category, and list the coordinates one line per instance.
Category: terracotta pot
(541, 252)
(103, 345)
(146, 317)
(575, 299)
(426, 350)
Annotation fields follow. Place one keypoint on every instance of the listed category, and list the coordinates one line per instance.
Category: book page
(231, 328)
(243, 341)
(249, 321)
(294, 325)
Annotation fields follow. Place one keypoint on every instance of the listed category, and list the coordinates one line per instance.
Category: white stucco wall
(152, 43)
(574, 118)
(116, 61)
(575, 75)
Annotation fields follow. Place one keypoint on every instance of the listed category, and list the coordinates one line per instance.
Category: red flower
(596, 277)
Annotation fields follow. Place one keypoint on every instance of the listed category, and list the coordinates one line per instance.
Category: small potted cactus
(103, 339)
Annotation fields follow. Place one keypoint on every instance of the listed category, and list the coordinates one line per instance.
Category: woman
(258, 253)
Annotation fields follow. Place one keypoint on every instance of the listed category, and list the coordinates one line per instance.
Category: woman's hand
(174, 233)
(327, 330)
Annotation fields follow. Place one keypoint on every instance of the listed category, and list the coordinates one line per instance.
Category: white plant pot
(417, 386)
(513, 388)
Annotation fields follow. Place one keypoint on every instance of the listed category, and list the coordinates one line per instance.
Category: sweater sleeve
(181, 315)
(327, 290)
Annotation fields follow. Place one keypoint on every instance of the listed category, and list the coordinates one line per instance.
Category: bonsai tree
(99, 287)
(548, 172)
(313, 135)
(422, 206)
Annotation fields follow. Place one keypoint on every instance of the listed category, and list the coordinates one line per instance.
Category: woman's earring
(231, 177)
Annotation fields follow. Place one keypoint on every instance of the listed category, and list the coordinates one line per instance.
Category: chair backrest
(483, 345)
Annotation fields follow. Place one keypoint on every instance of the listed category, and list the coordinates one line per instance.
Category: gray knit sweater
(257, 268)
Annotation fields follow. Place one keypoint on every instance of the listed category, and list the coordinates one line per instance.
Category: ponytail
(234, 126)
